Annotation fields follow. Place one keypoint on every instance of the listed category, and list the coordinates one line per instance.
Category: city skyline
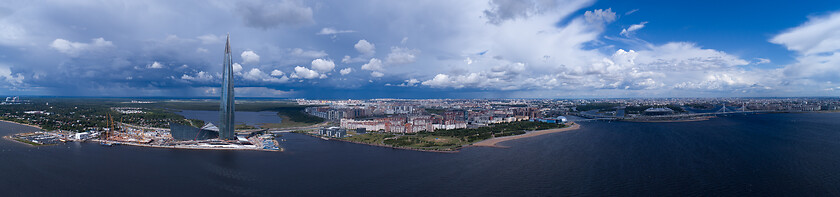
(438, 49)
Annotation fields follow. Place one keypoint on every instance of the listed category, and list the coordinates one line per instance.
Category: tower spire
(227, 44)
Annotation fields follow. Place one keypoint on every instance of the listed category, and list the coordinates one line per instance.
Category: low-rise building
(557, 120)
(394, 124)
(369, 125)
(81, 136)
(333, 132)
(451, 125)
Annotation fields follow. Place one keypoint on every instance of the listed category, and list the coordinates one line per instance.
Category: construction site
(118, 133)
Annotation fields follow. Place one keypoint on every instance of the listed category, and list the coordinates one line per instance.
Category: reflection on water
(242, 117)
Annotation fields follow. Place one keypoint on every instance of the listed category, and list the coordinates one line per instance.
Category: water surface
(756, 155)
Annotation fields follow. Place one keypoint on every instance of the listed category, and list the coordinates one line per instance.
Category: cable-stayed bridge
(722, 110)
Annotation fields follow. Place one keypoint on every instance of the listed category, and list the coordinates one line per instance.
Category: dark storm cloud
(271, 14)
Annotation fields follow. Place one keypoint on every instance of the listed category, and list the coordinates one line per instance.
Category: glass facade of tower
(186, 132)
(226, 108)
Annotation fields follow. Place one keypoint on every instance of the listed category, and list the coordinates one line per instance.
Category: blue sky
(739, 27)
(422, 49)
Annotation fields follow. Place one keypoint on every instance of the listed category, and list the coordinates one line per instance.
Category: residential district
(428, 115)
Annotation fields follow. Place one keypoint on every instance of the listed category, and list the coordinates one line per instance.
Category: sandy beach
(493, 141)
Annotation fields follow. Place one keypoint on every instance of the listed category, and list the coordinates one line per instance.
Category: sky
(324, 49)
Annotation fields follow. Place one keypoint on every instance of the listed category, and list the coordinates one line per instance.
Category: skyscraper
(226, 107)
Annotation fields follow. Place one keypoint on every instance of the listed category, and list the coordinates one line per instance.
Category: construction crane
(108, 122)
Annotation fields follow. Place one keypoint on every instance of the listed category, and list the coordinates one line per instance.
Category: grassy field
(428, 142)
(24, 141)
(370, 138)
(243, 127)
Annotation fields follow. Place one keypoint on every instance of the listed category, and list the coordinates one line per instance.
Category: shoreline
(178, 147)
(492, 142)
(10, 138)
(30, 125)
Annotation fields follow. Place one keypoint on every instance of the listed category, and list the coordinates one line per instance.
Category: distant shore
(493, 141)
(702, 118)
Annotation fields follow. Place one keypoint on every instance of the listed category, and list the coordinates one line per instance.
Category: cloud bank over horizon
(399, 49)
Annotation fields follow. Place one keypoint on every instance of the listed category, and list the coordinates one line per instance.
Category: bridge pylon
(743, 108)
(722, 109)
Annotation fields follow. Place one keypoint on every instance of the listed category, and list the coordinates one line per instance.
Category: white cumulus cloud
(410, 82)
(303, 72)
(258, 75)
(364, 47)
(155, 65)
(11, 78)
(75, 48)
(346, 71)
(201, 76)
(237, 67)
(277, 73)
(373, 65)
(444, 80)
(250, 57)
(323, 65)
